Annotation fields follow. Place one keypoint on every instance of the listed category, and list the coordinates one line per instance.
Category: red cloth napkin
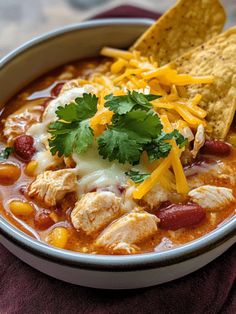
(209, 290)
(128, 11)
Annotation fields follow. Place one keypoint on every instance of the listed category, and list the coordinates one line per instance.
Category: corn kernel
(54, 217)
(58, 237)
(30, 168)
(9, 173)
(20, 208)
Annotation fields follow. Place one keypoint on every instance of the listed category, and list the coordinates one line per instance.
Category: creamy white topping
(93, 171)
(45, 160)
(98, 173)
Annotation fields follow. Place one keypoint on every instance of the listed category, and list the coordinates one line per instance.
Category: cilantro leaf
(181, 141)
(151, 97)
(159, 148)
(141, 125)
(70, 137)
(132, 101)
(87, 106)
(136, 176)
(143, 99)
(72, 131)
(62, 144)
(125, 138)
(68, 113)
(83, 138)
(119, 104)
(5, 153)
(83, 108)
(115, 144)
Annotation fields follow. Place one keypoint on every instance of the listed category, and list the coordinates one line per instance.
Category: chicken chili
(131, 152)
(109, 157)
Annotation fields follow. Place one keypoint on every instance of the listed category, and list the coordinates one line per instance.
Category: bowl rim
(60, 31)
(107, 262)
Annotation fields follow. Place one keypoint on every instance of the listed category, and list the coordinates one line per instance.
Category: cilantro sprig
(132, 101)
(135, 128)
(71, 132)
(5, 153)
(160, 147)
(137, 176)
(124, 140)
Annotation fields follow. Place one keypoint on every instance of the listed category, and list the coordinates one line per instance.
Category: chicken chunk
(156, 196)
(212, 197)
(18, 122)
(128, 230)
(187, 133)
(95, 211)
(198, 141)
(51, 186)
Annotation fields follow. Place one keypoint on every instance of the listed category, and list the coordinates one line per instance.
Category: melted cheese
(65, 98)
(39, 130)
(45, 160)
(98, 173)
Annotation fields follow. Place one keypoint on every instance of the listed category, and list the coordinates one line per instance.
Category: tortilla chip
(185, 26)
(217, 57)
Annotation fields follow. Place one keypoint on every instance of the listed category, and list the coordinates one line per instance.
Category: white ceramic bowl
(102, 271)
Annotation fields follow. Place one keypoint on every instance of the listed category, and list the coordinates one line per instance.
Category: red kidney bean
(200, 161)
(216, 147)
(23, 189)
(57, 89)
(93, 190)
(178, 216)
(42, 220)
(46, 102)
(165, 204)
(24, 147)
(121, 189)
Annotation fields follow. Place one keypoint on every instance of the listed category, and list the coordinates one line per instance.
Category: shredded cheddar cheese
(181, 181)
(149, 183)
(131, 71)
(134, 72)
(118, 66)
(116, 53)
(100, 120)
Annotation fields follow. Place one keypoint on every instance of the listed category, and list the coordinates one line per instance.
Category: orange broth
(79, 242)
